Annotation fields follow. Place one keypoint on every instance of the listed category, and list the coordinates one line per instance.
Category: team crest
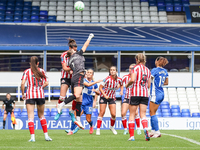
(63, 81)
(101, 101)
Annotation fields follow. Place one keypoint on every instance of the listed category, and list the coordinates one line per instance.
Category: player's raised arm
(86, 44)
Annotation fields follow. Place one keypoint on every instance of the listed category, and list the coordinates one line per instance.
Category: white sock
(33, 136)
(78, 118)
(46, 135)
(125, 128)
(62, 104)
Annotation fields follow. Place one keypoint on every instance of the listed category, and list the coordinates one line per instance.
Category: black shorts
(9, 111)
(77, 81)
(105, 101)
(136, 100)
(126, 100)
(65, 81)
(38, 101)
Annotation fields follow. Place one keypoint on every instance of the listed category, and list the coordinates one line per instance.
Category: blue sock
(90, 123)
(155, 122)
(152, 125)
(73, 126)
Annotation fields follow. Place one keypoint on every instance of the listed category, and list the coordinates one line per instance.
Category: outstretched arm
(86, 44)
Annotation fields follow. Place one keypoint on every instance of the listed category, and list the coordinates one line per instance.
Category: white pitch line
(184, 138)
(89, 147)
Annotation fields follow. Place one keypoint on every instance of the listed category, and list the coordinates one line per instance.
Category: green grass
(18, 139)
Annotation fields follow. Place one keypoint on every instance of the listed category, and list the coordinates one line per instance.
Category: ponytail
(72, 43)
(162, 61)
(141, 58)
(34, 68)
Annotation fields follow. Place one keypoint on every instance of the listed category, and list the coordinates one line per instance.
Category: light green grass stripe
(184, 138)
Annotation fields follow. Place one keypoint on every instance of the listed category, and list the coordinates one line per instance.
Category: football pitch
(18, 139)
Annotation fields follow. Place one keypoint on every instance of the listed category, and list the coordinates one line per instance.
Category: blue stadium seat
(152, 4)
(166, 111)
(166, 114)
(128, 113)
(26, 18)
(2, 18)
(52, 21)
(24, 110)
(17, 114)
(161, 8)
(169, 8)
(2, 3)
(65, 110)
(24, 114)
(185, 111)
(185, 114)
(64, 114)
(164, 106)
(176, 114)
(175, 107)
(10, 8)
(164, 103)
(56, 91)
(19, 8)
(26, 12)
(10, 4)
(19, 4)
(161, 4)
(18, 13)
(175, 110)
(195, 114)
(9, 12)
(35, 110)
(178, 8)
(26, 21)
(95, 110)
(51, 18)
(35, 12)
(2, 8)
(47, 109)
(27, 8)
(46, 114)
(44, 13)
(27, 3)
(53, 113)
(17, 110)
(94, 114)
(53, 110)
(35, 8)
(9, 18)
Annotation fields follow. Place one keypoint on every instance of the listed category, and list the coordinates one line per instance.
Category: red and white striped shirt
(125, 80)
(65, 59)
(140, 86)
(110, 86)
(34, 86)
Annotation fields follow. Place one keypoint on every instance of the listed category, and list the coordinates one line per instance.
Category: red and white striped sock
(43, 124)
(124, 122)
(99, 121)
(61, 99)
(131, 128)
(112, 121)
(137, 120)
(144, 123)
(31, 126)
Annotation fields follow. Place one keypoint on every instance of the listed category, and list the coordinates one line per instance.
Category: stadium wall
(175, 79)
(65, 123)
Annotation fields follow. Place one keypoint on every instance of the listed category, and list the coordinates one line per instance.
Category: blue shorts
(157, 99)
(87, 109)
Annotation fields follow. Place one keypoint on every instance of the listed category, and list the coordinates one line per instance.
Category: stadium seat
(175, 110)
(185, 114)
(26, 18)
(166, 111)
(44, 13)
(17, 114)
(47, 110)
(46, 114)
(9, 18)
(17, 110)
(53, 113)
(65, 110)
(35, 8)
(166, 114)
(26, 13)
(53, 109)
(175, 107)
(65, 114)
(24, 114)
(29, 3)
(176, 114)
(24, 110)
(195, 114)
(164, 106)
(35, 113)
